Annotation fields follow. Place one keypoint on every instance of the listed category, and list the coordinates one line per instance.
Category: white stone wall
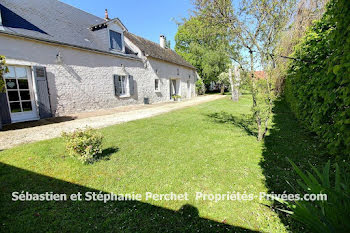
(166, 71)
(84, 79)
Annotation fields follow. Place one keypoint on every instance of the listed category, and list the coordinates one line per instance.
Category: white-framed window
(116, 40)
(18, 89)
(157, 85)
(124, 85)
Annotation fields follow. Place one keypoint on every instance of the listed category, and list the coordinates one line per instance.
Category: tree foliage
(167, 43)
(223, 81)
(223, 78)
(256, 27)
(204, 47)
(318, 82)
(200, 87)
(306, 12)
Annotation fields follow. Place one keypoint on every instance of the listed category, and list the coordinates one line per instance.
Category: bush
(176, 97)
(318, 84)
(85, 144)
(3, 70)
(200, 87)
(331, 215)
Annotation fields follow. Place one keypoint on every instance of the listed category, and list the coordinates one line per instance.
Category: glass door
(173, 89)
(19, 90)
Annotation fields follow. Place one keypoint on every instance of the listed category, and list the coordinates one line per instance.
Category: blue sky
(146, 18)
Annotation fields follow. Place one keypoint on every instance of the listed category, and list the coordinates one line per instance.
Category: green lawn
(208, 148)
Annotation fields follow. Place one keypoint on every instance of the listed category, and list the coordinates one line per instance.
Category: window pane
(11, 73)
(13, 95)
(25, 95)
(122, 83)
(27, 106)
(15, 107)
(11, 84)
(23, 84)
(116, 40)
(21, 72)
(156, 84)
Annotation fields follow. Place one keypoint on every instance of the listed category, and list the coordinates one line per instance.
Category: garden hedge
(318, 80)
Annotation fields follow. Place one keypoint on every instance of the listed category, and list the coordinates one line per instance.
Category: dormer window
(116, 40)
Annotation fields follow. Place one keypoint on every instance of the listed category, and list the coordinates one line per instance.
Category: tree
(234, 82)
(306, 12)
(256, 26)
(226, 79)
(200, 87)
(167, 43)
(204, 47)
(318, 85)
(223, 81)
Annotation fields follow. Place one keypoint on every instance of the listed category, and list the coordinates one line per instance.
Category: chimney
(162, 41)
(106, 15)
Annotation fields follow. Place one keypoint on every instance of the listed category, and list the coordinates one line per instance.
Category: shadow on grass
(106, 153)
(244, 121)
(287, 138)
(88, 216)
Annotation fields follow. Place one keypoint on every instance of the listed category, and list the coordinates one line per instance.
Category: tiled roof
(50, 20)
(151, 49)
(55, 21)
(260, 74)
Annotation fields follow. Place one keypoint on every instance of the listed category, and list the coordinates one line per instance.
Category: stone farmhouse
(63, 60)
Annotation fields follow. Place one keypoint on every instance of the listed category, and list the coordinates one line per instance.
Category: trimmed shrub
(84, 144)
(318, 81)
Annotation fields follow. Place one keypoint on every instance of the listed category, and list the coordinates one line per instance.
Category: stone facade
(82, 80)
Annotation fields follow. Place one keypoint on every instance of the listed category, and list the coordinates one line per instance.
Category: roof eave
(188, 66)
(115, 20)
(70, 45)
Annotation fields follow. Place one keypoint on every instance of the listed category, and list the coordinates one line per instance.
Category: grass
(208, 148)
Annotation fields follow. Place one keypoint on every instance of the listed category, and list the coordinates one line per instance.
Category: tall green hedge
(318, 82)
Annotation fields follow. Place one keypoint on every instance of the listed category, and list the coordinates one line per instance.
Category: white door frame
(30, 115)
(177, 86)
(189, 89)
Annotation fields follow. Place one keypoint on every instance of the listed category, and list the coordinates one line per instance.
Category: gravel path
(98, 119)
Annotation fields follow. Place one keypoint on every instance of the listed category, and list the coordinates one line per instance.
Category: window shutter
(131, 84)
(116, 85)
(43, 94)
(5, 117)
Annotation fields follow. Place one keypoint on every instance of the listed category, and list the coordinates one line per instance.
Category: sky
(145, 18)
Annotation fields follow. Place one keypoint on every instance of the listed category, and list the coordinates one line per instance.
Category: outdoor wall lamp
(124, 70)
(59, 59)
